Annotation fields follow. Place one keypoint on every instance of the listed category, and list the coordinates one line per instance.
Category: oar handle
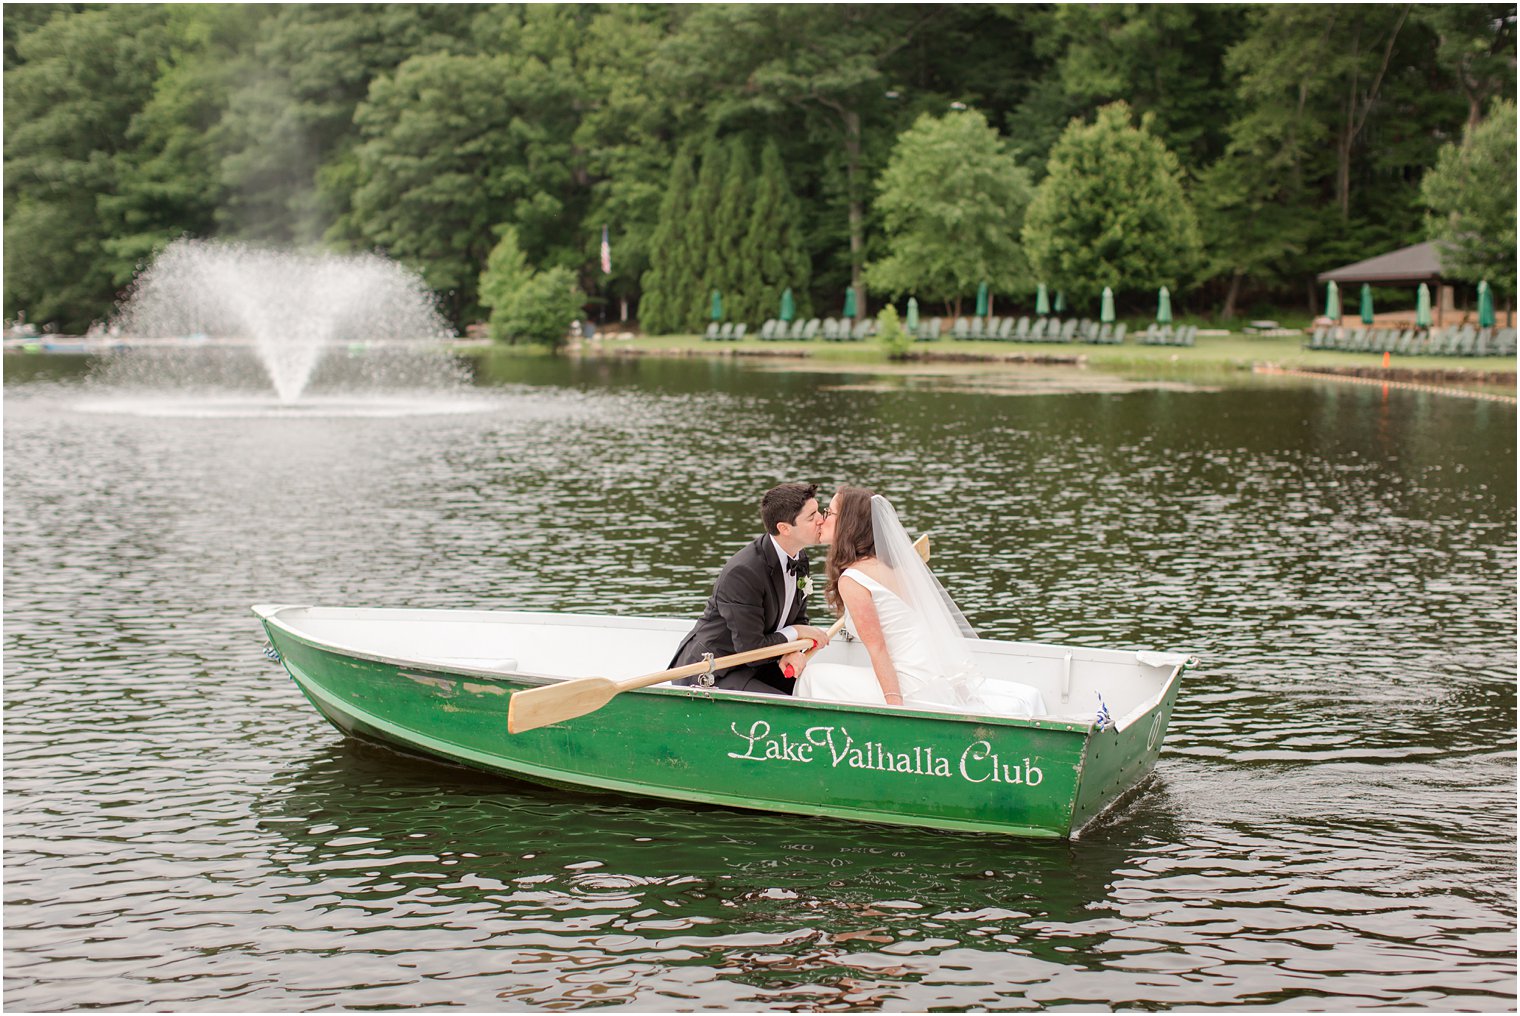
(789, 671)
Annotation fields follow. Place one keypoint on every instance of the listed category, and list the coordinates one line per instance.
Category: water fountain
(213, 328)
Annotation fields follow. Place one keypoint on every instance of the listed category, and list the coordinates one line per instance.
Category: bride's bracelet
(888, 697)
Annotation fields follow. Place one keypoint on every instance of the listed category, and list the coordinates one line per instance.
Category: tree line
(1229, 151)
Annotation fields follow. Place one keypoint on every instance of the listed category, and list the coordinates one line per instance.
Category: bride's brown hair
(854, 537)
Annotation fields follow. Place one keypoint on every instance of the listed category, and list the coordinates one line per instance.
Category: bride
(912, 630)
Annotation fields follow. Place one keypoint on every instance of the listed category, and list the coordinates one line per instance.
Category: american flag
(606, 253)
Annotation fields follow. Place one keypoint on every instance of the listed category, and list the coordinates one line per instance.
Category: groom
(760, 598)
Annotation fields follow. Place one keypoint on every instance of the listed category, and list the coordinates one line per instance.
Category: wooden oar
(538, 707)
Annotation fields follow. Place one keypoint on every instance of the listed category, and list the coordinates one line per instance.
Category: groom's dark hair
(784, 503)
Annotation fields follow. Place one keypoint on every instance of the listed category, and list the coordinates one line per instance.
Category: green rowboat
(438, 682)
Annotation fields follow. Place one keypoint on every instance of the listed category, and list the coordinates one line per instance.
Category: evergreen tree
(734, 274)
(774, 246)
(662, 303)
(507, 271)
(701, 234)
(1111, 211)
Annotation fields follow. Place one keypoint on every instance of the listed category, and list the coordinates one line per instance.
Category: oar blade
(532, 708)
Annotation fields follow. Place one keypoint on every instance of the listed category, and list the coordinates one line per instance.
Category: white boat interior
(539, 645)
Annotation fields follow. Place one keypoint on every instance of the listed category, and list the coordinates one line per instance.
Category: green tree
(1476, 46)
(668, 282)
(1471, 194)
(774, 244)
(1312, 78)
(1255, 223)
(626, 134)
(827, 61)
(700, 237)
(728, 271)
(1111, 211)
(527, 305)
(952, 201)
(1165, 59)
(287, 135)
(453, 146)
(71, 94)
(170, 182)
(889, 331)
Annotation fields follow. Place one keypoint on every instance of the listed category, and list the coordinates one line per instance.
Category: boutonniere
(805, 587)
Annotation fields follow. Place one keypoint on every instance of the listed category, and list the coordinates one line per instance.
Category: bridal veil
(943, 628)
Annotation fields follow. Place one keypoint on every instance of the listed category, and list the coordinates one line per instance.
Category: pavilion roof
(1420, 263)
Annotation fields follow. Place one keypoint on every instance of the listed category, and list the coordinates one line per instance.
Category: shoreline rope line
(1406, 385)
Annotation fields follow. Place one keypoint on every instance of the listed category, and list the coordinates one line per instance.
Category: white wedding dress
(949, 682)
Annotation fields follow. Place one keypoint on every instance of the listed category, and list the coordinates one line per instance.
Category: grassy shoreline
(1233, 352)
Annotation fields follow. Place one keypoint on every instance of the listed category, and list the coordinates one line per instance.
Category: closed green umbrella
(1060, 304)
(1485, 305)
(717, 306)
(1366, 304)
(849, 302)
(1333, 301)
(788, 305)
(912, 314)
(1422, 306)
(981, 300)
(1106, 311)
(1041, 301)
(1164, 307)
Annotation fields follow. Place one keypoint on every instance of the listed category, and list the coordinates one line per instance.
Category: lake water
(1330, 826)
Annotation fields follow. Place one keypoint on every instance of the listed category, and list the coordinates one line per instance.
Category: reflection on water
(1331, 824)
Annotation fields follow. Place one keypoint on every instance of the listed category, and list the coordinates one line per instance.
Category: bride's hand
(818, 635)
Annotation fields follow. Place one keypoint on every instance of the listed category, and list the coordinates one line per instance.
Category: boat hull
(1025, 777)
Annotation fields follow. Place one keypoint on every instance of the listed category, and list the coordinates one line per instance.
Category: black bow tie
(796, 566)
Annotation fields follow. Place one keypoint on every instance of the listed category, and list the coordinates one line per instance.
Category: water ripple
(1331, 825)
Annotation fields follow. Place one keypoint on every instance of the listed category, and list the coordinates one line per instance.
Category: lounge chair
(1036, 331)
(931, 334)
(830, 330)
(810, 330)
(1020, 330)
(711, 334)
(1069, 331)
(1120, 330)
(1504, 342)
(739, 330)
(961, 329)
(978, 328)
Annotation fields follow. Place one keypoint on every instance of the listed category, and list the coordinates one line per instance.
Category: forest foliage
(900, 149)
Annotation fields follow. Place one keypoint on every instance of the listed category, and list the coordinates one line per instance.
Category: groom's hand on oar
(792, 663)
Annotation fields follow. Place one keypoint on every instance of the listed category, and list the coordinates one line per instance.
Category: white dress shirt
(789, 590)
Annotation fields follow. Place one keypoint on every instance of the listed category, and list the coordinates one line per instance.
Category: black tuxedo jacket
(743, 613)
